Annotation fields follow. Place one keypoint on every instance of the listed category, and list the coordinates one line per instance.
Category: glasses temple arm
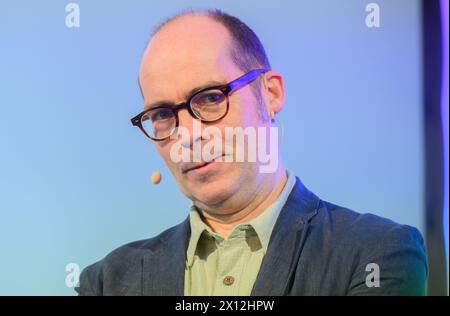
(245, 79)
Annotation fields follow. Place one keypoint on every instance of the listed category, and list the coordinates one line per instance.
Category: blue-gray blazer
(316, 248)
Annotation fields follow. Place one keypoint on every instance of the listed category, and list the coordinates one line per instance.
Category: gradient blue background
(75, 175)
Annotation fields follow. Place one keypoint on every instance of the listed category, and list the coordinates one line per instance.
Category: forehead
(189, 51)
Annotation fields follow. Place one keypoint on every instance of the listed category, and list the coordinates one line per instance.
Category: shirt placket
(229, 264)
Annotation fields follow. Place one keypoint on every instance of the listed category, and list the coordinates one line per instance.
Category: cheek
(164, 151)
(243, 110)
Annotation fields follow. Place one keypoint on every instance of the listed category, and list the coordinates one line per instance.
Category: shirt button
(228, 280)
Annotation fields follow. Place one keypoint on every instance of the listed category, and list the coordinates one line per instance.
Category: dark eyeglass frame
(226, 89)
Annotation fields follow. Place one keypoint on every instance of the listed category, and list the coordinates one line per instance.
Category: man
(248, 232)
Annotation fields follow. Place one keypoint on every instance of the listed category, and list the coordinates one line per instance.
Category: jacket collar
(286, 243)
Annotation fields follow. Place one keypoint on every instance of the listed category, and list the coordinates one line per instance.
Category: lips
(185, 168)
(192, 166)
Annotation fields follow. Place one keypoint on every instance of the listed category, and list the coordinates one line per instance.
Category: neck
(271, 190)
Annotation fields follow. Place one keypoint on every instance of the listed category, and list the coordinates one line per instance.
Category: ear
(273, 91)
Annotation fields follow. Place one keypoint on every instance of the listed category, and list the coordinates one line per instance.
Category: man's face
(193, 52)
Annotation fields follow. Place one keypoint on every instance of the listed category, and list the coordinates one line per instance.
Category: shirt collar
(263, 224)
(197, 229)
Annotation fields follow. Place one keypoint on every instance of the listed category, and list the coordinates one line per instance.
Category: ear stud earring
(272, 115)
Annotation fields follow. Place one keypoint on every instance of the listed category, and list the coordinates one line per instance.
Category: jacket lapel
(286, 242)
(163, 269)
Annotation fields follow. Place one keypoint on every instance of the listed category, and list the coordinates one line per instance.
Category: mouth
(198, 166)
(194, 167)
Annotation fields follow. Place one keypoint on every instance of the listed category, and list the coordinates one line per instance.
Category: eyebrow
(210, 84)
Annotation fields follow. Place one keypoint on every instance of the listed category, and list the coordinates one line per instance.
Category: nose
(189, 125)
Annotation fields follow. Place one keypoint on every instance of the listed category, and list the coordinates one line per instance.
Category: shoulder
(332, 222)
(122, 262)
(365, 228)
(362, 240)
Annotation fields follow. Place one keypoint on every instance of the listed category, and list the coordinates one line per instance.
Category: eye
(209, 97)
(213, 97)
(161, 114)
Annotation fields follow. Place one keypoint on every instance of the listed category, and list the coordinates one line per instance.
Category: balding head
(189, 46)
(246, 49)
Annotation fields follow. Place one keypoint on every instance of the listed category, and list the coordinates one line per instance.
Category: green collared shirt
(219, 266)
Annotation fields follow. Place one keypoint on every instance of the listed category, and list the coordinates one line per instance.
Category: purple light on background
(444, 116)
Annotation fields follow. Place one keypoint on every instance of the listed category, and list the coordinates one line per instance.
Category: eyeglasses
(208, 105)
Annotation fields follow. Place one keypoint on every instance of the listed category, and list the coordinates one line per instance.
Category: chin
(214, 193)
